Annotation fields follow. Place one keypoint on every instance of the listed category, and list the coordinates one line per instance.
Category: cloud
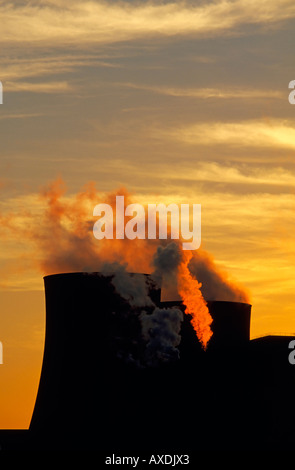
(16, 69)
(65, 22)
(234, 176)
(251, 133)
(45, 87)
(205, 93)
(214, 172)
(21, 116)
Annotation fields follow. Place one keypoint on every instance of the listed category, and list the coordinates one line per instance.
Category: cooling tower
(92, 393)
(230, 325)
(224, 398)
(82, 393)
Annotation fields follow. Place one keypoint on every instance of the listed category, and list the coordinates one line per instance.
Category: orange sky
(178, 102)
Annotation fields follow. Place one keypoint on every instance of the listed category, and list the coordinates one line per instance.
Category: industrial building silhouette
(235, 395)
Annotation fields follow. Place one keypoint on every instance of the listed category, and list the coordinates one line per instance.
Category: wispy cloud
(188, 175)
(57, 64)
(215, 172)
(45, 87)
(20, 116)
(205, 93)
(251, 133)
(60, 22)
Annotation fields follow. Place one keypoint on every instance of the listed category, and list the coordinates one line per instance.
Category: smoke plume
(58, 237)
(158, 330)
(134, 289)
(161, 330)
(215, 284)
(196, 306)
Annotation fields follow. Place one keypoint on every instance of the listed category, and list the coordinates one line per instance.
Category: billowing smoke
(134, 289)
(171, 264)
(58, 233)
(60, 236)
(216, 284)
(158, 330)
(161, 330)
(166, 261)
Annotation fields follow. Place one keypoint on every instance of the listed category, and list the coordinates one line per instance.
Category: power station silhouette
(96, 394)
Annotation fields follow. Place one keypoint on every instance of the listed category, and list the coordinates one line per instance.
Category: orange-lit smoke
(60, 234)
(56, 232)
(64, 235)
(216, 283)
(195, 304)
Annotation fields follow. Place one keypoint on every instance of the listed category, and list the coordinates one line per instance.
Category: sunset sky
(177, 102)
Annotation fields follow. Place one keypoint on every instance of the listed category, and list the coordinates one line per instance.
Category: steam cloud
(134, 289)
(216, 284)
(166, 261)
(62, 240)
(159, 328)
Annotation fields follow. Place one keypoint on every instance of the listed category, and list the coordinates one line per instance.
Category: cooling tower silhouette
(87, 398)
(82, 392)
(230, 325)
